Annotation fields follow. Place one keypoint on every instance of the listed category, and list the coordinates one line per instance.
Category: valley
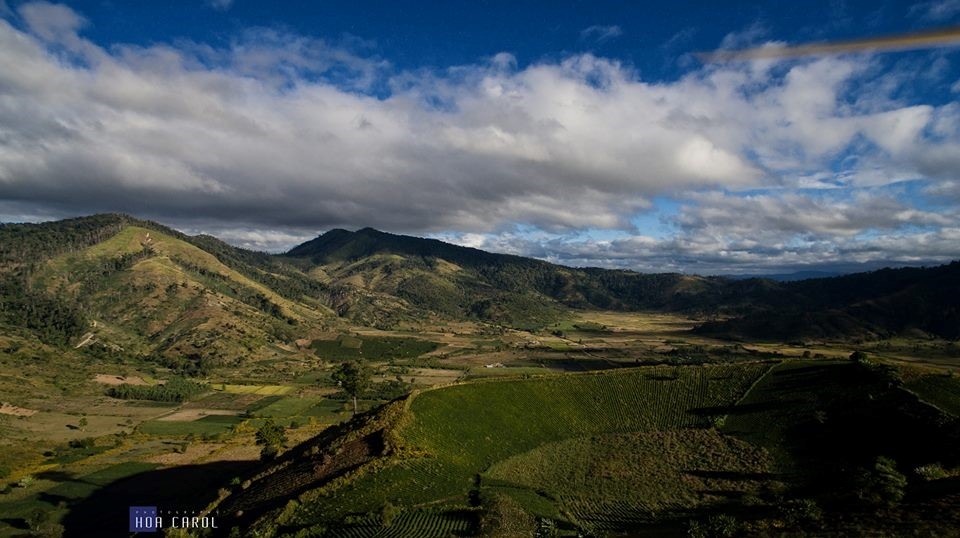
(506, 396)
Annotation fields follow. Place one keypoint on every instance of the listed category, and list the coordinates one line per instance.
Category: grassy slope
(453, 434)
(608, 479)
(825, 421)
(618, 449)
(935, 386)
(174, 299)
(852, 412)
(168, 251)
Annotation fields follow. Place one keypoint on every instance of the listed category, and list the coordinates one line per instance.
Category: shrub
(932, 471)
(716, 526)
(388, 513)
(271, 436)
(504, 517)
(797, 511)
(858, 357)
(881, 484)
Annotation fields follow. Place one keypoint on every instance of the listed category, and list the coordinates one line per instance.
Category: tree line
(176, 389)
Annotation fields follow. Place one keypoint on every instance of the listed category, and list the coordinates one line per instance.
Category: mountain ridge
(379, 279)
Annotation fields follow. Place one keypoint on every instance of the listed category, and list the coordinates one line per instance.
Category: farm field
(578, 382)
(605, 481)
(456, 433)
(756, 444)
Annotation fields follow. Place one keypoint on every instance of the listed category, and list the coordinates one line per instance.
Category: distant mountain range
(197, 303)
(793, 276)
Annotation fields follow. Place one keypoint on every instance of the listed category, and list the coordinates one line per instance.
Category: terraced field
(482, 438)
(607, 480)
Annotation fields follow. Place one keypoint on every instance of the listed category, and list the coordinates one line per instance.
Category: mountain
(878, 304)
(465, 282)
(793, 276)
(115, 283)
(197, 303)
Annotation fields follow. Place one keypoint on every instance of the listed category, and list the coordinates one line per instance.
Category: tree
(271, 436)
(881, 484)
(354, 378)
(504, 517)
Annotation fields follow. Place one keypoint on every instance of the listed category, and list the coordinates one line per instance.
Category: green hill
(443, 448)
(462, 282)
(457, 281)
(759, 447)
(879, 304)
(120, 284)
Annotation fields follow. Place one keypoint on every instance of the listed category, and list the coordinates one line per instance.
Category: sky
(586, 133)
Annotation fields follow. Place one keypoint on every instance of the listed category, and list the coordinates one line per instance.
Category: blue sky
(585, 133)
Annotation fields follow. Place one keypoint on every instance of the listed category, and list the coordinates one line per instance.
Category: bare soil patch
(107, 379)
(9, 409)
(431, 376)
(189, 415)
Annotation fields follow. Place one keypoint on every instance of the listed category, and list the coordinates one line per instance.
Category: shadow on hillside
(17, 523)
(186, 489)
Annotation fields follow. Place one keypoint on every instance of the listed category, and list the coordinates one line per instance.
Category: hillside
(522, 292)
(463, 282)
(154, 291)
(655, 449)
(122, 285)
(433, 453)
(879, 304)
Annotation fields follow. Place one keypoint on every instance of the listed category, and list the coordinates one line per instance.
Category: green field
(302, 409)
(45, 510)
(941, 390)
(209, 425)
(456, 434)
(262, 390)
(371, 348)
(605, 480)
(83, 486)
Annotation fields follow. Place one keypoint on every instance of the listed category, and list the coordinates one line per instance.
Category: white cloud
(51, 22)
(723, 233)
(284, 132)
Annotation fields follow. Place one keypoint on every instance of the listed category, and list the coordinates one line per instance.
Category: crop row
(466, 429)
(419, 523)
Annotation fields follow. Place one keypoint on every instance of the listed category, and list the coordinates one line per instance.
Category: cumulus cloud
(772, 219)
(51, 22)
(297, 134)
